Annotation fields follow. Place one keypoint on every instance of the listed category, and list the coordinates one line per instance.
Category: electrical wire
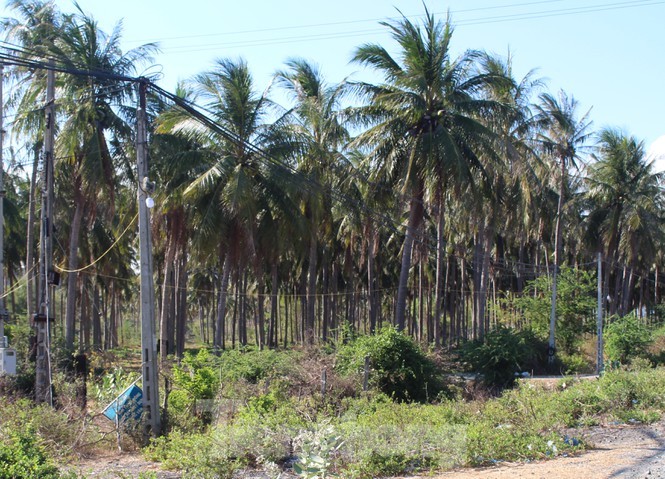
(356, 33)
(346, 22)
(20, 283)
(98, 259)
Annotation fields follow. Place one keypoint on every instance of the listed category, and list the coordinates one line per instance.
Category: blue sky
(608, 54)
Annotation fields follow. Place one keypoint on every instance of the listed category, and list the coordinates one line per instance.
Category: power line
(339, 23)
(364, 32)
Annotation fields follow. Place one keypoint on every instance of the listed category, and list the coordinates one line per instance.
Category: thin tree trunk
(484, 279)
(421, 305)
(415, 214)
(84, 331)
(243, 310)
(167, 295)
(326, 300)
(311, 290)
(371, 281)
(30, 237)
(96, 318)
(181, 309)
(438, 285)
(72, 266)
(557, 257)
(273, 338)
(218, 342)
(260, 309)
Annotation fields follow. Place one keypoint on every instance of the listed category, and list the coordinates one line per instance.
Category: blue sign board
(127, 406)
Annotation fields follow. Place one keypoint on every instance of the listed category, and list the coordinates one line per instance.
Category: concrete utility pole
(3, 311)
(599, 319)
(152, 424)
(41, 319)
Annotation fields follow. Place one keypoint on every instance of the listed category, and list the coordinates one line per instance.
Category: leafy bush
(400, 368)
(253, 365)
(575, 305)
(626, 338)
(317, 449)
(194, 454)
(196, 383)
(399, 440)
(196, 375)
(226, 448)
(21, 457)
(503, 353)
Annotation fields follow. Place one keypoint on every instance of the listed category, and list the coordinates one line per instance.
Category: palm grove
(435, 199)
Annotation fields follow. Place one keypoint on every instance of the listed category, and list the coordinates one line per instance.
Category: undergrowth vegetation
(307, 411)
(371, 435)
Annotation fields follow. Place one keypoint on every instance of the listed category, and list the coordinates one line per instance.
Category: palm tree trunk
(96, 318)
(438, 285)
(421, 301)
(202, 328)
(484, 278)
(245, 307)
(415, 214)
(167, 294)
(274, 305)
(612, 255)
(311, 290)
(557, 254)
(72, 266)
(30, 236)
(371, 281)
(326, 300)
(84, 333)
(181, 310)
(261, 339)
(218, 342)
(113, 320)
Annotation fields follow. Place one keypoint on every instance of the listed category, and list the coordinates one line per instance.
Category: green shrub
(317, 450)
(195, 386)
(21, 457)
(626, 338)
(226, 448)
(197, 376)
(194, 454)
(400, 368)
(576, 293)
(253, 366)
(503, 353)
(575, 364)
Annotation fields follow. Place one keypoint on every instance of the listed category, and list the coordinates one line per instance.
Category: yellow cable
(20, 283)
(63, 270)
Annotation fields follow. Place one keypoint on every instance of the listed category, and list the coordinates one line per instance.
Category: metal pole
(599, 318)
(152, 425)
(41, 319)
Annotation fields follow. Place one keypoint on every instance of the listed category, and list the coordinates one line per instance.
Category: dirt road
(621, 452)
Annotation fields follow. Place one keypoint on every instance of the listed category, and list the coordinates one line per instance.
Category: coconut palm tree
(90, 106)
(563, 137)
(424, 117)
(317, 137)
(512, 180)
(624, 195)
(34, 30)
(237, 182)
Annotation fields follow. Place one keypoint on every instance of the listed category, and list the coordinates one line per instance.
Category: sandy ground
(621, 452)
